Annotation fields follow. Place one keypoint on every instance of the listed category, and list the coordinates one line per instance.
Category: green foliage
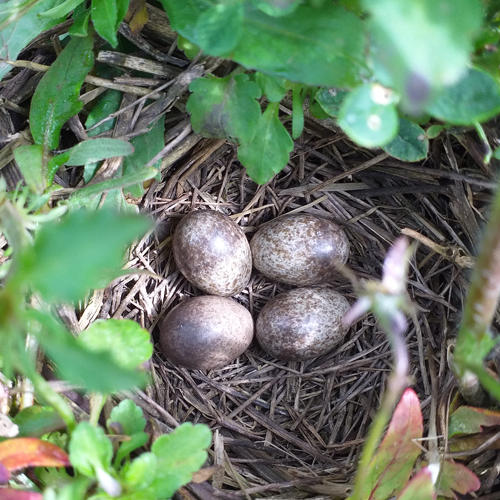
(29, 160)
(129, 416)
(35, 421)
(107, 16)
(56, 98)
(411, 143)
(97, 149)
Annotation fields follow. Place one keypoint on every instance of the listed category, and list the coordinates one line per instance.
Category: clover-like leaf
(411, 143)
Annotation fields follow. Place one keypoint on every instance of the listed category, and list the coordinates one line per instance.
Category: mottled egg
(302, 324)
(299, 249)
(212, 252)
(206, 332)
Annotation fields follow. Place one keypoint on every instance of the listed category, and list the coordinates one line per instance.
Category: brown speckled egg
(299, 249)
(206, 332)
(302, 324)
(212, 252)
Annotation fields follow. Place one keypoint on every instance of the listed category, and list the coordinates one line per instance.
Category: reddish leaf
(4, 474)
(420, 487)
(19, 453)
(392, 465)
(469, 420)
(471, 442)
(12, 494)
(456, 477)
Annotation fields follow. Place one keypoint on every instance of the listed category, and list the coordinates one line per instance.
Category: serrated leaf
(19, 27)
(419, 488)
(458, 478)
(277, 8)
(393, 463)
(269, 150)
(19, 453)
(274, 88)
(469, 420)
(89, 449)
(411, 143)
(224, 107)
(475, 98)
(61, 9)
(367, 122)
(96, 150)
(419, 46)
(66, 262)
(179, 454)
(56, 98)
(35, 421)
(129, 416)
(29, 161)
(146, 146)
(219, 28)
(81, 18)
(331, 100)
(140, 473)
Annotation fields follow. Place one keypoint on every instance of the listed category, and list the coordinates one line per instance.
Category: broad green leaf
(81, 18)
(179, 454)
(331, 100)
(411, 143)
(269, 150)
(225, 107)
(393, 463)
(107, 103)
(434, 130)
(420, 487)
(190, 49)
(219, 28)
(367, 120)
(458, 478)
(299, 93)
(19, 26)
(53, 165)
(62, 9)
(469, 420)
(419, 46)
(98, 149)
(272, 87)
(146, 146)
(475, 98)
(140, 473)
(94, 371)
(129, 416)
(277, 8)
(56, 98)
(35, 421)
(68, 257)
(89, 449)
(29, 161)
(183, 16)
(107, 16)
(128, 344)
(127, 447)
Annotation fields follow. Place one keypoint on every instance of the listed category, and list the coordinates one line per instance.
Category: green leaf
(299, 93)
(179, 454)
(89, 449)
(56, 98)
(129, 416)
(219, 28)
(68, 257)
(277, 8)
(19, 25)
(420, 487)
(272, 87)
(434, 130)
(81, 18)
(29, 161)
(456, 477)
(106, 19)
(128, 344)
(393, 463)
(419, 46)
(107, 103)
(98, 149)
(140, 473)
(35, 421)
(121, 11)
(475, 98)
(468, 420)
(61, 9)
(127, 447)
(224, 107)
(367, 120)
(146, 146)
(331, 100)
(411, 143)
(190, 49)
(269, 151)
(53, 165)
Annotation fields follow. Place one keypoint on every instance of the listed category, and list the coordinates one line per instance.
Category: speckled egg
(302, 324)
(206, 333)
(299, 249)
(212, 252)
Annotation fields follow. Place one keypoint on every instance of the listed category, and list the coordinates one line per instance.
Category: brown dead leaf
(205, 474)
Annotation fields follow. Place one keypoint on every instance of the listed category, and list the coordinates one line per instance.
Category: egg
(302, 324)
(299, 249)
(212, 252)
(206, 332)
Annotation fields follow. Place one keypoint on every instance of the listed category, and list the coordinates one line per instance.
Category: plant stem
(97, 402)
